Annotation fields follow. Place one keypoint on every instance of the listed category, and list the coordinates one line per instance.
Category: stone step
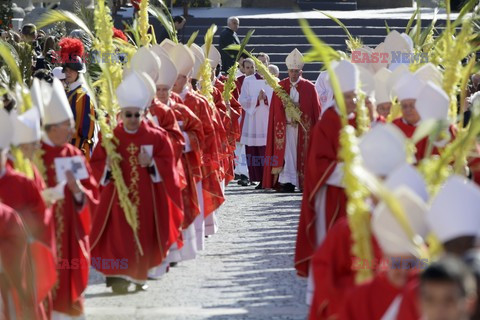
(327, 5)
(300, 39)
(296, 30)
(245, 23)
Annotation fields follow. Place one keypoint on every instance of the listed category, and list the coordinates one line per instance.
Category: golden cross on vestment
(132, 148)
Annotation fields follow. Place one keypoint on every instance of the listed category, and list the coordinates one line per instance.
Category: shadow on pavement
(263, 268)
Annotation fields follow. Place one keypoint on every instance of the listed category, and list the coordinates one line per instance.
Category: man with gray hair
(228, 37)
(274, 70)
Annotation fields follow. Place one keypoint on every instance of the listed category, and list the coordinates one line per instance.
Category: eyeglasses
(129, 115)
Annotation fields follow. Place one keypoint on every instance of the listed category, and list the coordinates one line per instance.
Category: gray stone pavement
(246, 271)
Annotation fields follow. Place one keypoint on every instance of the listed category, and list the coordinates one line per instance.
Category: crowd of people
(137, 200)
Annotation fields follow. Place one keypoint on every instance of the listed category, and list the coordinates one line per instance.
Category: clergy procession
(118, 149)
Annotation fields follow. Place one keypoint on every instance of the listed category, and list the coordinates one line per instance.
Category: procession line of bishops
(177, 155)
(324, 241)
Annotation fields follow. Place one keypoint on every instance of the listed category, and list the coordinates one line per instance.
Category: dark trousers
(255, 162)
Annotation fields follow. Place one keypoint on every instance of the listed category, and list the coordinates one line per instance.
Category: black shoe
(141, 287)
(119, 285)
(237, 177)
(259, 187)
(243, 181)
(288, 188)
(173, 264)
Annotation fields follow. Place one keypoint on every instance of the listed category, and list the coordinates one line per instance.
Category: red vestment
(238, 85)
(191, 125)
(232, 126)
(220, 135)
(164, 117)
(166, 120)
(370, 300)
(175, 97)
(321, 162)
(409, 307)
(159, 206)
(23, 194)
(37, 177)
(228, 153)
(309, 104)
(17, 298)
(333, 267)
(72, 227)
(211, 182)
(421, 145)
(235, 113)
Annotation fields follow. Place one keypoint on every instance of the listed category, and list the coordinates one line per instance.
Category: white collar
(130, 131)
(184, 92)
(294, 83)
(75, 84)
(408, 124)
(337, 110)
(47, 140)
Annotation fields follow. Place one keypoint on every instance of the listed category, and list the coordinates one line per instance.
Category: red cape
(370, 300)
(211, 181)
(321, 162)
(276, 140)
(409, 307)
(333, 274)
(421, 145)
(72, 227)
(16, 282)
(191, 160)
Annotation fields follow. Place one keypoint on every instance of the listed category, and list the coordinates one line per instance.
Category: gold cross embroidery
(132, 148)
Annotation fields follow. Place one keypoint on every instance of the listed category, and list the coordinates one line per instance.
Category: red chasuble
(211, 182)
(370, 300)
(421, 145)
(232, 127)
(321, 162)
(191, 125)
(228, 154)
(235, 114)
(175, 97)
(159, 206)
(409, 307)
(37, 177)
(23, 194)
(238, 85)
(164, 117)
(166, 120)
(220, 135)
(276, 139)
(333, 267)
(17, 285)
(72, 227)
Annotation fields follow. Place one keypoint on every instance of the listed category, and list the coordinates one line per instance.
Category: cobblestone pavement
(246, 271)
